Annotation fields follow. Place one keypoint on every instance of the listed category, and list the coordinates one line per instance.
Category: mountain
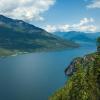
(83, 79)
(17, 36)
(79, 36)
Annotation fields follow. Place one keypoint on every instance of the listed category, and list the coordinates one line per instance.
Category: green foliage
(84, 84)
(5, 52)
(98, 45)
(17, 35)
(12, 40)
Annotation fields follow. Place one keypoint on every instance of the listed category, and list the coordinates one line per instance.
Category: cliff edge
(83, 79)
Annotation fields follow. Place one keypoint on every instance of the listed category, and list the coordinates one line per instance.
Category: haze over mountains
(19, 36)
(79, 36)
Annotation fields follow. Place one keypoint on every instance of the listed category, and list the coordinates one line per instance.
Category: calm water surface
(36, 76)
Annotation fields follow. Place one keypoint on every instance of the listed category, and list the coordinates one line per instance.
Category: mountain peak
(18, 24)
(2, 15)
(19, 36)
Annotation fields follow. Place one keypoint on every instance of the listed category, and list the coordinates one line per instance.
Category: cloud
(25, 9)
(85, 25)
(55, 28)
(84, 21)
(94, 4)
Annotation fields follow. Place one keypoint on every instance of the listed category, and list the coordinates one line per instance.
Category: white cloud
(84, 21)
(63, 28)
(86, 28)
(55, 28)
(85, 25)
(50, 28)
(94, 4)
(25, 9)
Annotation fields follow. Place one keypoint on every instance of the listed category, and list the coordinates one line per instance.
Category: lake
(36, 76)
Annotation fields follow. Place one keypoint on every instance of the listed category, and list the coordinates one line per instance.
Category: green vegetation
(84, 83)
(4, 52)
(19, 36)
(98, 44)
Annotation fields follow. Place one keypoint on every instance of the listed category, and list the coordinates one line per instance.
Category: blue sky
(55, 15)
(71, 12)
(66, 11)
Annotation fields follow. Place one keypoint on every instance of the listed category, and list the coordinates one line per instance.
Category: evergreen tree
(98, 45)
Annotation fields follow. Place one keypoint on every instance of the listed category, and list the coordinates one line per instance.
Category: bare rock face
(84, 61)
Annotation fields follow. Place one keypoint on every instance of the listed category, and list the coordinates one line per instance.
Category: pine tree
(98, 45)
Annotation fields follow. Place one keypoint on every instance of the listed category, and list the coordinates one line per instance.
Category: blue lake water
(36, 76)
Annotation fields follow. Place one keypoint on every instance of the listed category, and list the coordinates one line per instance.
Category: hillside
(84, 79)
(17, 36)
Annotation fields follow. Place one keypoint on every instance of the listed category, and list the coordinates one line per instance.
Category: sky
(55, 15)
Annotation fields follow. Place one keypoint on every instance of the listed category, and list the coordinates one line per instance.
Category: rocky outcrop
(84, 80)
(84, 61)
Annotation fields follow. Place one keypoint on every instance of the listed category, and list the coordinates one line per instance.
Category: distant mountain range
(17, 36)
(79, 36)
